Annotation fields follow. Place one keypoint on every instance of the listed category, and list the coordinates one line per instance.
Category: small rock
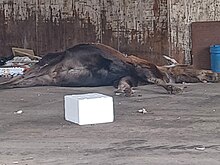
(143, 110)
(18, 112)
(117, 93)
(29, 158)
(201, 148)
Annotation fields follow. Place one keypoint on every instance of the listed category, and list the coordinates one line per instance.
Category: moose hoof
(174, 90)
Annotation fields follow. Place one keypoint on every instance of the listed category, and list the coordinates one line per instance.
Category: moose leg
(171, 89)
(125, 85)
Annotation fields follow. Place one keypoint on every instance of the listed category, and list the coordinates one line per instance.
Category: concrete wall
(181, 15)
(131, 26)
(148, 28)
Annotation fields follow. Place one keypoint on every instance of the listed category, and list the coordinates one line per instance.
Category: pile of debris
(20, 62)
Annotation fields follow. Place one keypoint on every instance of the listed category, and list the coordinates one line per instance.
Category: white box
(92, 108)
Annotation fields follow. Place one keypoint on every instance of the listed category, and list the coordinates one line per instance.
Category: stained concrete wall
(148, 28)
(181, 15)
(131, 26)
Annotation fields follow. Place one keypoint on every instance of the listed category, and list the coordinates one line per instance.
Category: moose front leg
(171, 89)
(125, 85)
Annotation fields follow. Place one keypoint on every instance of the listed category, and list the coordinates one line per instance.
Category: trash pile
(21, 61)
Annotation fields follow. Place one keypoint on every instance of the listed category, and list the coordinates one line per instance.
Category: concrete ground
(176, 129)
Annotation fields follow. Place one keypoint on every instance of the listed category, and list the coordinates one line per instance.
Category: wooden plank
(25, 52)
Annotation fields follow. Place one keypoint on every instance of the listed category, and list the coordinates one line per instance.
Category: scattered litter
(119, 103)
(29, 158)
(38, 94)
(143, 110)
(178, 118)
(117, 93)
(213, 110)
(15, 162)
(20, 61)
(12, 71)
(200, 148)
(18, 112)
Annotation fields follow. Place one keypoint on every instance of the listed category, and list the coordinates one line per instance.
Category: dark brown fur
(99, 65)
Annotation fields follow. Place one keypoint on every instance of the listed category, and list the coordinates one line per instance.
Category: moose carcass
(95, 65)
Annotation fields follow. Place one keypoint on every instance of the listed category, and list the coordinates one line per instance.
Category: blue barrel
(215, 58)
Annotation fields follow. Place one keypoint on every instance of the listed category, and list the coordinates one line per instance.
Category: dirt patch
(176, 129)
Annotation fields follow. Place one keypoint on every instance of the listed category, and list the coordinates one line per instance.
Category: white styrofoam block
(92, 108)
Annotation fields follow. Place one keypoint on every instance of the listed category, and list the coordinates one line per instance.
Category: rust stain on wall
(137, 27)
